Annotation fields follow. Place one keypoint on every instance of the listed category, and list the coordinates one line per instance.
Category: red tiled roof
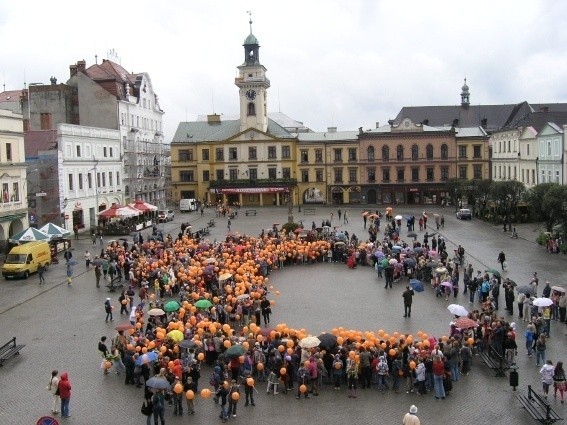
(10, 96)
(40, 140)
(108, 70)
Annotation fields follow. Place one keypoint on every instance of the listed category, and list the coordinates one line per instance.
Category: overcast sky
(330, 62)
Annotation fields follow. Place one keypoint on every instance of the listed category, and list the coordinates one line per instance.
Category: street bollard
(514, 377)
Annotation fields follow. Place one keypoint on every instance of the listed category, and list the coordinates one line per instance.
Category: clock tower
(252, 84)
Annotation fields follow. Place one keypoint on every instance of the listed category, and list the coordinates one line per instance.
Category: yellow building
(473, 161)
(248, 161)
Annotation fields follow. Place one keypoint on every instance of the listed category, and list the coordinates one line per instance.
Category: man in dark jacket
(408, 298)
(130, 365)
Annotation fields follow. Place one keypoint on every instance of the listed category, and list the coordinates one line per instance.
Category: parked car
(464, 214)
(165, 215)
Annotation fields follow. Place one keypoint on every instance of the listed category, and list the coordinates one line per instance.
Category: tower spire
(250, 21)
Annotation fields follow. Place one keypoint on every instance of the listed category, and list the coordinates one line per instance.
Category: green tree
(534, 197)
(506, 196)
(456, 189)
(480, 195)
(555, 205)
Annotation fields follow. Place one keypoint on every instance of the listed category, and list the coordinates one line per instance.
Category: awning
(229, 191)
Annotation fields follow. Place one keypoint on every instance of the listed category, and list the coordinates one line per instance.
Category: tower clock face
(251, 95)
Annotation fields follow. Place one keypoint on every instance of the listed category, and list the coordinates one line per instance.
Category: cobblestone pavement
(61, 326)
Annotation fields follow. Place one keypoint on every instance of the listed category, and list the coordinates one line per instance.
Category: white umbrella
(542, 302)
(558, 288)
(156, 312)
(440, 270)
(398, 217)
(309, 342)
(457, 310)
(393, 261)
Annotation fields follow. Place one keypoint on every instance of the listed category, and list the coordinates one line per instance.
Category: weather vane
(250, 22)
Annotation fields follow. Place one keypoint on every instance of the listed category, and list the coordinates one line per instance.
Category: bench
(495, 361)
(9, 349)
(250, 212)
(211, 223)
(309, 211)
(537, 407)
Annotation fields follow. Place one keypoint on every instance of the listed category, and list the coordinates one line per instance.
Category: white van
(187, 205)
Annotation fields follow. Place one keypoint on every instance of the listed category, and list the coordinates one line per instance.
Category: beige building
(473, 156)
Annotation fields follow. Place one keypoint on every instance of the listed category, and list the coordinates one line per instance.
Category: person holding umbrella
(408, 298)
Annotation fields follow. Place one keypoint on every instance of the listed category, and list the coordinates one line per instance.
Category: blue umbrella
(419, 250)
(379, 254)
(416, 285)
(157, 383)
(149, 357)
(396, 248)
(410, 262)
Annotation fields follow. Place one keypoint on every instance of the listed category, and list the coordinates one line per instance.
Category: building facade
(551, 147)
(13, 183)
(473, 156)
(528, 157)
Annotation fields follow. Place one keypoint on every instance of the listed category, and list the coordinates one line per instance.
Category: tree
(480, 195)
(456, 189)
(535, 200)
(506, 196)
(555, 206)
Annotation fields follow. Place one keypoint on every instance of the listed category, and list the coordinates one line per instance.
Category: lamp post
(63, 214)
(96, 194)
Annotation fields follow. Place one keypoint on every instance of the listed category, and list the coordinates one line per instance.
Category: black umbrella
(188, 343)
(524, 289)
(412, 235)
(327, 340)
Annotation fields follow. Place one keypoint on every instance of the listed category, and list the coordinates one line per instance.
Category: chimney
(377, 124)
(72, 70)
(81, 66)
(390, 122)
(331, 129)
(456, 122)
(544, 109)
(425, 122)
(46, 121)
(484, 123)
(213, 119)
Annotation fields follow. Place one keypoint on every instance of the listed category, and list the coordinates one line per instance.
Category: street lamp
(96, 193)
(63, 215)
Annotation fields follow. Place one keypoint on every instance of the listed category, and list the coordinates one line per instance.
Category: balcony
(338, 160)
(216, 184)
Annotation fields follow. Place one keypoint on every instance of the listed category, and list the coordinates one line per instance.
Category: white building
(551, 147)
(528, 157)
(505, 148)
(13, 201)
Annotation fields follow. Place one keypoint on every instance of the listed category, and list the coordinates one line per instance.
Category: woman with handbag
(53, 388)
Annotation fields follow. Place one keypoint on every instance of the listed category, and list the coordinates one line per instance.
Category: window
(272, 172)
(117, 178)
(205, 154)
(371, 175)
(477, 171)
(78, 147)
(252, 153)
(549, 148)
(90, 180)
(304, 176)
(206, 175)
(8, 151)
(509, 150)
(430, 174)
(444, 151)
(556, 175)
(251, 109)
(220, 154)
(338, 155)
(186, 176)
(253, 172)
(400, 174)
(103, 179)
(477, 151)
(318, 155)
(462, 171)
(15, 192)
(528, 149)
(352, 175)
(462, 151)
(187, 155)
(272, 152)
(533, 177)
(429, 152)
(286, 173)
(233, 174)
(385, 153)
(338, 175)
(386, 174)
(70, 181)
(232, 154)
(444, 173)
(352, 154)
(111, 154)
(80, 180)
(104, 151)
(415, 174)
(304, 155)
(414, 153)
(286, 152)
(319, 175)
(400, 153)
(220, 174)
(370, 153)
(110, 179)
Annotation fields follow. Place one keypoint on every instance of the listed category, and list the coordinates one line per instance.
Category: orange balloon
(235, 396)
(283, 371)
(303, 388)
(412, 364)
(470, 341)
(250, 382)
(190, 395)
(178, 388)
(392, 352)
(226, 343)
(281, 348)
(107, 365)
(205, 393)
(260, 366)
(201, 357)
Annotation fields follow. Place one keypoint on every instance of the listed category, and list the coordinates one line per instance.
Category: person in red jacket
(64, 388)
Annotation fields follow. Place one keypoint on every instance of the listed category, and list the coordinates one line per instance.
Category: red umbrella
(298, 230)
(465, 323)
(120, 211)
(124, 327)
(143, 206)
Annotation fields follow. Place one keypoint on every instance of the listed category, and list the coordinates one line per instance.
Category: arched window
(400, 153)
(429, 151)
(251, 109)
(385, 153)
(444, 151)
(370, 153)
(414, 152)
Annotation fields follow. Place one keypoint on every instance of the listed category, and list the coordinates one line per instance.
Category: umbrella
(542, 302)
(410, 262)
(55, 231)
(447, 284)
(203, 304)
(121, 211)
(412, 235)
(210, 260)
(398, 217)
(157, 383)
(309, 342)
(298, 231)
(494, 272)
(124, 327)
(30, 235)
(175, 335)
(156, 312)
(465, 323)
(171, 306)
(432, 264)
(340, 236)
(225, 276)
(558, 289)
(418, 249)
(393, 261)
(209, 270)
(436, 215)
(379, 254)
(243, 297)
(327, 340)
(339, 243)
(143, 206)
(150, 356)
(456, 309)
(99, 262)
(440, 270)
(524, 289)
(416, 285)
(407, 250)
(187, 343)
(396, 248)
(236, 350)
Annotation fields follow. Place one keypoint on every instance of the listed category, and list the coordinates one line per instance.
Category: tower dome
(251, 39)
(465, 95)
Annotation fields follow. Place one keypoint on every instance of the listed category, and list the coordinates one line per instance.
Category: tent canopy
(143, 206)
(120, 211)
(55, 231)
(30, 235)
